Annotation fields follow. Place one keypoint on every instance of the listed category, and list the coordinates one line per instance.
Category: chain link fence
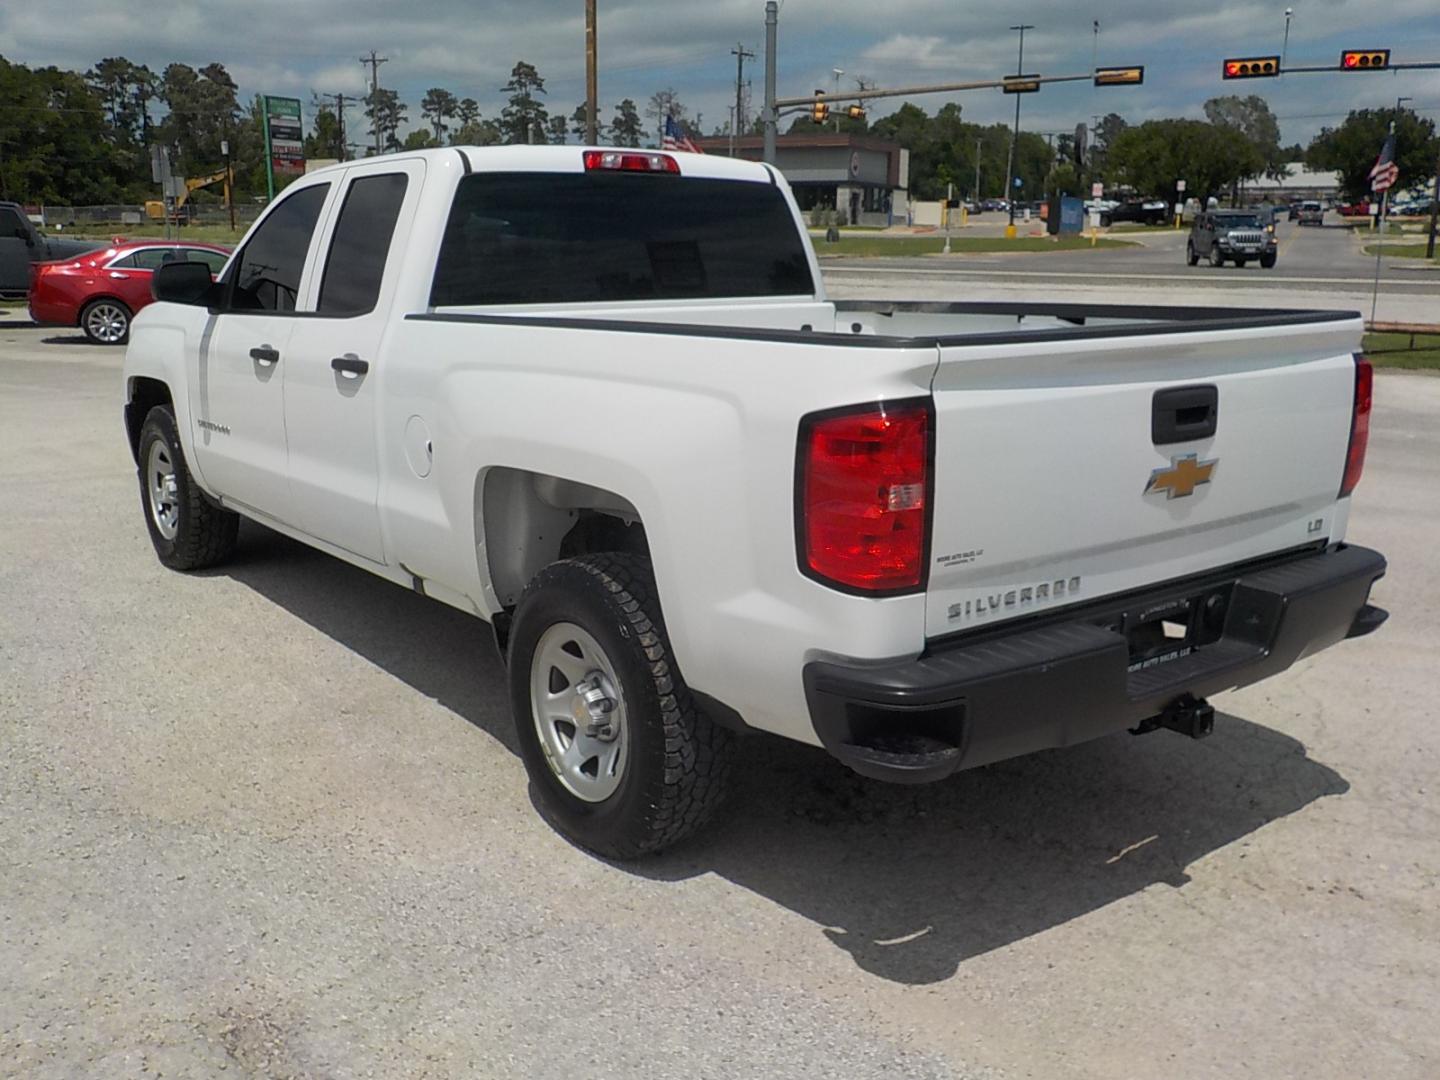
(121, 214)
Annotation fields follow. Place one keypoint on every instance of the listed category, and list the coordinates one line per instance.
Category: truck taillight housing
(644, 161)
(1359, 425)
(864, 486)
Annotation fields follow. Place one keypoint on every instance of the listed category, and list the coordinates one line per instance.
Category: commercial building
(866, 179)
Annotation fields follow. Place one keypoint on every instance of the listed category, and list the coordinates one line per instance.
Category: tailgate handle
(1184, 413)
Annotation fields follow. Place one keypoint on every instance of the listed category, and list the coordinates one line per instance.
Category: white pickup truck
(599, 399)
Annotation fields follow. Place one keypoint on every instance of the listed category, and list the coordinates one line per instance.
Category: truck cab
(22, 244)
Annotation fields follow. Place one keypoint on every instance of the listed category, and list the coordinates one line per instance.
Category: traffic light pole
(772, 11)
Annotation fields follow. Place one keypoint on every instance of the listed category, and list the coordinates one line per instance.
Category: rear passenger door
(330, 383)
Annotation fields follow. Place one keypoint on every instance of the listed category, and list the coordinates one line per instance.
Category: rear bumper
(972, 702)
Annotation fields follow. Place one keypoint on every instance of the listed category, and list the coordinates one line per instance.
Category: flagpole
(1375, 294)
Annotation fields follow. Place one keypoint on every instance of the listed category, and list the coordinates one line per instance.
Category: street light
(1015, 134)
(837, 72)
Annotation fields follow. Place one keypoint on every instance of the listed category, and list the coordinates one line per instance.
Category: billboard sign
(284, 138)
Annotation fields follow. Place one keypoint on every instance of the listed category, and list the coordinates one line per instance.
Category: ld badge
(1184, 475)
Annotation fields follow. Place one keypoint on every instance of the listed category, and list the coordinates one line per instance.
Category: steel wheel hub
(164, 490)
(578, 712)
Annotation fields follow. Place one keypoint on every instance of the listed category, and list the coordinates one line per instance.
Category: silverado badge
(1184, 475)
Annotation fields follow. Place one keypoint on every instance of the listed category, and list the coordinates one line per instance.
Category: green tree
(1252, 118)
(1210, 158)
(203, 111)
(557, 129)
(438, 106)
(386, 113)
(325, 140)
(1351, 149)
(56, 143)
(420, 139)
(524, 119)
(626, 129)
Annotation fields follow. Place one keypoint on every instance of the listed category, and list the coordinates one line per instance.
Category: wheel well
(145, 394)
(524, 521)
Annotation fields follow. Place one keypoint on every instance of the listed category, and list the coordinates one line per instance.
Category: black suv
(1237, 235)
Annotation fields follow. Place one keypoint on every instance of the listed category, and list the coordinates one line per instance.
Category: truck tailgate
(1051, 489)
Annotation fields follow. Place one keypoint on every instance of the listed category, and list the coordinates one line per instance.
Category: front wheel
(1191, 256)
(1267, 261)
(188, 531)
(620, 758)
(106, 322)
(1216, 258)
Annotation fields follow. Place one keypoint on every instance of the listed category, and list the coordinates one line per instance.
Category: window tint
(531, 238)
(151, 258)
(356, 263)
(127, 263)
(266, 273)
(9, 222)
(213, 259)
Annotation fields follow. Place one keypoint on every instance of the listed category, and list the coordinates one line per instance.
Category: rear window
(557, 238)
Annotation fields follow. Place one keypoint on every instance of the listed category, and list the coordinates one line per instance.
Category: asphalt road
(269, 821)
(1317, 267)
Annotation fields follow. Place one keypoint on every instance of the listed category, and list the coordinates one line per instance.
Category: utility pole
(375, 62)
(837, 73)
(740, 57)
(1015, 133)
(340, 100)
(976, 196)
(592, 70)
(772, 10)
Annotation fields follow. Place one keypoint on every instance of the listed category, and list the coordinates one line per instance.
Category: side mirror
(22, 233)
(183, 283)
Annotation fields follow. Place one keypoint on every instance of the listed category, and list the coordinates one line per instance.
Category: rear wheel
(106, 322)
(620, 758)
(188, 531)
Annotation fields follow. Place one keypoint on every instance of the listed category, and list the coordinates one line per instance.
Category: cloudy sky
(295, 47)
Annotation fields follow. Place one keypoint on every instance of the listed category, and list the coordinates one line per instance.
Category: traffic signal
(1021, 84)
(1252, 67)
(820, 111)
(1365, 60)
(1125, 76)
(856, 112)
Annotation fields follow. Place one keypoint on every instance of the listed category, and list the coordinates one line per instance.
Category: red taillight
(864, 497)
(1359, 425)
(630, 161)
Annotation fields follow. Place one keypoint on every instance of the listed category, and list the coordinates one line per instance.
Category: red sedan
(101, 291)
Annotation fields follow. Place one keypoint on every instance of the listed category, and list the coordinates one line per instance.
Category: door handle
(350, 365)
(118, 276)
(265, 354)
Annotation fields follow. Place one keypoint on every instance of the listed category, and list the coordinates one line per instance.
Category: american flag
(676, 139)
(1385, 172)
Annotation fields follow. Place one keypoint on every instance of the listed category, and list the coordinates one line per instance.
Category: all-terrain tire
(204, 534)
(677, 761)
(1267, 262)
(1216, 258)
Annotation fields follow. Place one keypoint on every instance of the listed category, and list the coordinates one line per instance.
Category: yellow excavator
(155, 209)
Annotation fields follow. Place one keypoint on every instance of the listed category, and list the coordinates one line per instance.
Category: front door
(331, 380)
(238, 405)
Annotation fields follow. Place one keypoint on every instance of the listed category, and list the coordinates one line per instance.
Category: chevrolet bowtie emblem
(1184, 475)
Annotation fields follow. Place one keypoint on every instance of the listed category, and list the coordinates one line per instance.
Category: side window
(153, 258)
(9, 222)
(266, 273)
(356, 263)
(127, 263)
(213, 259)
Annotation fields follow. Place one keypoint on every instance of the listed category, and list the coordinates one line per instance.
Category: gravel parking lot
(270, 820)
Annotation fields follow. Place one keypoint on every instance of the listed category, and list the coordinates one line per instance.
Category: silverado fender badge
(1184, 475)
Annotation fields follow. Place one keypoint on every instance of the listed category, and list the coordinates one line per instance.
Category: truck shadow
(910, 881)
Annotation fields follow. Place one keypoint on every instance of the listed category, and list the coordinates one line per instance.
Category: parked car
(101, 291)
(1236, 235)
(22, 245)
(1145, 211)
(564, 389)
(1359, 209)
(1310, 212)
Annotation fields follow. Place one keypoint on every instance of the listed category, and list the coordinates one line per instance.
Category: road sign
(1021, 84)
(1180, 186)
(1097, 189)
(284, 138)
